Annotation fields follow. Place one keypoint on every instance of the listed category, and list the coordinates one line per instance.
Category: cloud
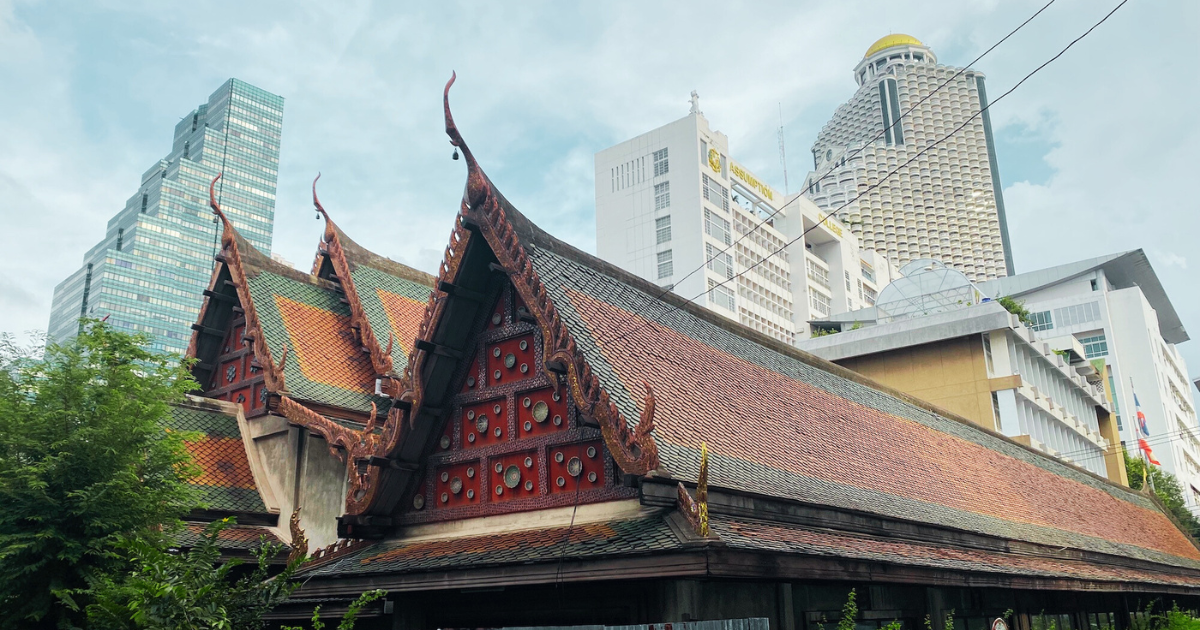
(1105, 133)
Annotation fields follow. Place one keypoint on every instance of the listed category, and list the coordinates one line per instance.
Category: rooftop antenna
(782, 153)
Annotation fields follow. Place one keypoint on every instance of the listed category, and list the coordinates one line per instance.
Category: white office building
(947, 203)
(1112, 310)
(1117, 309)
(671, 200)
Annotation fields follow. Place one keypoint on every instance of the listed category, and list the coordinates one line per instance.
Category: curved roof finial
(477, 184)
(212, 200)
(317, 202)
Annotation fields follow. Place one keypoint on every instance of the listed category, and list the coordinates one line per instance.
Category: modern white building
(947, 203)
(1117, 309)
(671, 201)
(1111, 312)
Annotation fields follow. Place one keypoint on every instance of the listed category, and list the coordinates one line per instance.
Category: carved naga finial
(369, 430)
(299, 540)
(476, 181)
(696, 510)
(212, 201)
(321, 211)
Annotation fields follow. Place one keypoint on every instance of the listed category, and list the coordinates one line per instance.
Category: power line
(851, 154)
(1158, 440)
(884, 178)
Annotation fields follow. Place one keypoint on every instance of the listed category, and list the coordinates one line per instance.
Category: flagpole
(1147, 480)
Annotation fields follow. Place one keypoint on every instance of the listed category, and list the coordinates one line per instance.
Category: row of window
(1066, 316)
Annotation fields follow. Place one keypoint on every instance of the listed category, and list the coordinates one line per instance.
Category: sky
(1096, 152)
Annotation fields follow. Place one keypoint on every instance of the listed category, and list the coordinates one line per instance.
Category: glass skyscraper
(156, 258)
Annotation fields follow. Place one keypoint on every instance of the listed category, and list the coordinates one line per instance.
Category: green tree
(85, 463)
(1166, 487)
(192, 589)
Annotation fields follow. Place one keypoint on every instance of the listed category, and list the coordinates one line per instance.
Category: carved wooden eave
(231, 263)
(482, 215)
(380, 356)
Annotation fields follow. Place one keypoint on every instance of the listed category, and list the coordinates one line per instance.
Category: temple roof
(779, 423)
(226, 482)
(313, 342)
(783, 423)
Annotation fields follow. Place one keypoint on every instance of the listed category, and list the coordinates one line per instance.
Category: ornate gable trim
(381, 358)
(483, 214)
(232, 262)
(635, 451)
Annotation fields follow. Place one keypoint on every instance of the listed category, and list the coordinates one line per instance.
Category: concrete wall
(951, 374)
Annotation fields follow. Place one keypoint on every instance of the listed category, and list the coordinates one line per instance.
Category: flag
(1141, 417)
(1142, 444)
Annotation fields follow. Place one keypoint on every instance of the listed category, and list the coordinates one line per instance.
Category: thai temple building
(535, 437)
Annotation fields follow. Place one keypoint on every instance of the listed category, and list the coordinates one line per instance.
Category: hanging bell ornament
(455, 156)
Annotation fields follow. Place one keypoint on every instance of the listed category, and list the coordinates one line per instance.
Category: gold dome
(898, 39)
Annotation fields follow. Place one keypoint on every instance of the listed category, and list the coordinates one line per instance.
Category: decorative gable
(238, 378)
(511, 440)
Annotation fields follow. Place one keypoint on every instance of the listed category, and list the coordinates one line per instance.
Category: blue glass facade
(156, 258)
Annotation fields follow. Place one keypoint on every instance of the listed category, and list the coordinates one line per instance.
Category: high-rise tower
(149, 272)
(945, 204)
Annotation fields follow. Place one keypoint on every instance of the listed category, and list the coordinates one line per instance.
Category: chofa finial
(317, 202)
(212, 199)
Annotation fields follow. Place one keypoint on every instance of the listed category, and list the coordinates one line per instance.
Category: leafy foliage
(348, 619)
(85, 463)
(849, 612)
(1166, 487)
(1016, 307)
(192, 589)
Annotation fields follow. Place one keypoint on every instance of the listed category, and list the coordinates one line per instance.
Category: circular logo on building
(714, 160)
(999, 624)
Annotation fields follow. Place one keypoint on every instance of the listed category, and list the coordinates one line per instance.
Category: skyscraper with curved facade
(947, 203)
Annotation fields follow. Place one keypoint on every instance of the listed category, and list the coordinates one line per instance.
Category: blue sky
(1096, 152)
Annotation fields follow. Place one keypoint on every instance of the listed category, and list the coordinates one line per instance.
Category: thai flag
(1142, 443)
(1141, 417)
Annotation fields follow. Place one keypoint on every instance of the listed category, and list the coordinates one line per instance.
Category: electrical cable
(928, 148)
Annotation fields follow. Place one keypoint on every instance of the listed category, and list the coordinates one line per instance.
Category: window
(660, 162)
(868, 271)
(1041, 320)
(662, 195)
(718, 261)
(889, 107)
(721, 295)
(716, 193)
(1077, 314)
(819, 302)
(869, 295)
(717, 227)
(1095, 346)
(662, 230)
(817, 274)
(987, 358)
(703, 153)
(666, 267)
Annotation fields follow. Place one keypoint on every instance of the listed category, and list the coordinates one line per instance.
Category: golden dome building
(946, 204)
